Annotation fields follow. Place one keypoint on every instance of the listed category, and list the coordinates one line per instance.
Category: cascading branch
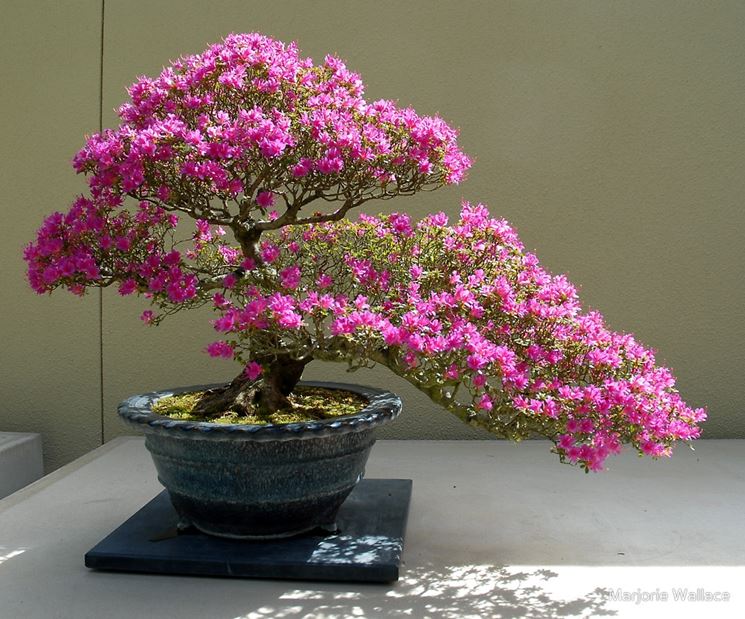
(465, 314)
(243, 139)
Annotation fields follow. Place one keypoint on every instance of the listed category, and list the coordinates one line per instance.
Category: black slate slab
(366, 548)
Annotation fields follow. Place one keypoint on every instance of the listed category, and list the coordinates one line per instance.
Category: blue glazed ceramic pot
(260, 481)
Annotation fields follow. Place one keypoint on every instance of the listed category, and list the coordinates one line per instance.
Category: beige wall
(610, 133)
(49, 347)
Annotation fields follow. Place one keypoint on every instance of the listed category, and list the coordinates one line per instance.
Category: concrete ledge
(495, 530)
(21, 461)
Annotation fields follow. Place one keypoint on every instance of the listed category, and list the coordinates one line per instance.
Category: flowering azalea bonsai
(267, 154)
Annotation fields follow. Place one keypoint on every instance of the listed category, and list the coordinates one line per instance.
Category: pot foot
(327, 529)
(184, 527)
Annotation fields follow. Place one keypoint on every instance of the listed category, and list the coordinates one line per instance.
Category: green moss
(308, 404)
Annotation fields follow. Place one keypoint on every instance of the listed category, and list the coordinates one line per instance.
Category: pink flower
(123, 243)
(401, 224)
(272, 148)
(220, 349)
(330, 165)
(290, 277)
(226, 322)
(453, 372)
(303, 168)
(484, 403)
(265, 199)
(128, 286)
(269, 253)
(475, 361)
(253, 370)
(289, 319)
(479, 380)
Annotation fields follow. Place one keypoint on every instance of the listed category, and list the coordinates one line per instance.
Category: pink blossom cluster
(470, 317)
(250, 118)
(221, 137)
(92, 243)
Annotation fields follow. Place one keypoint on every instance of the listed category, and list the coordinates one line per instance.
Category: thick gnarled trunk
(264, 396)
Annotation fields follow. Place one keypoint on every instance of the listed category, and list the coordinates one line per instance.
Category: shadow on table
(456, 592)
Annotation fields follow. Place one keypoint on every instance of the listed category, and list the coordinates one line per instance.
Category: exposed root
(262, 397)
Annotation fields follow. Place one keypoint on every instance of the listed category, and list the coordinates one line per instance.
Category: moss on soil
(308, 404)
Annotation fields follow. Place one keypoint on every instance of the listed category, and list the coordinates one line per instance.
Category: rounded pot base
(326, 529)
(260, 521)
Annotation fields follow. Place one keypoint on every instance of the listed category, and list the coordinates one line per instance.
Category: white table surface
(495, 530)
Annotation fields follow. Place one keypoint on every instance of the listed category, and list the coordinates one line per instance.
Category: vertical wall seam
(100, 290)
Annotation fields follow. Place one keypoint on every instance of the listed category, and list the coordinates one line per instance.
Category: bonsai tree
(267, 154)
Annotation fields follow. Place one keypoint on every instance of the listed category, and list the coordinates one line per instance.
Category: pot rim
(382, 407)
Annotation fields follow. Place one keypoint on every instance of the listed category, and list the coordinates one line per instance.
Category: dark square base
(367, 546)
